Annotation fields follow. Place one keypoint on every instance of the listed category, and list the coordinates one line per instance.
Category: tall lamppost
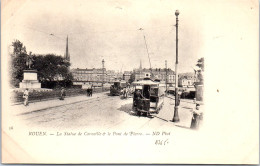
(176, 114)
(103, 62)
(166, 75)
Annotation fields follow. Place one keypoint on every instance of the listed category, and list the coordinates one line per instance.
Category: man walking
(91, 90)
(197, 116)
(88, 91)
(62, 94)
(138, 102)
(26, 97)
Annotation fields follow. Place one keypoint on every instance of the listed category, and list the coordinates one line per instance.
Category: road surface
(100, 111)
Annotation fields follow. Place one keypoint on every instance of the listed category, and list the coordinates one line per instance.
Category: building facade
(127, 75)
(110, 76)
(186, 79)
(81, 76)
(95, 75)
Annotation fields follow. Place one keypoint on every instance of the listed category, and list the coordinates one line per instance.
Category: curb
(35, 101)
(41, 109)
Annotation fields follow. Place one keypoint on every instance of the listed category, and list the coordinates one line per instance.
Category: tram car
(148, 97)
(116, 88)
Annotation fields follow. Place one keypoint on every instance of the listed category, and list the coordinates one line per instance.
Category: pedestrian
(26, 97)
(183, 95)
(62, 94)
(139, 94)
(194, 100)
(197, 116)
(124, 93)
(138, 101)
(90, 91)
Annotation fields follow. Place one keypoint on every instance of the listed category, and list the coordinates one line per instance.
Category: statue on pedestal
(29, 60)
(30, 79)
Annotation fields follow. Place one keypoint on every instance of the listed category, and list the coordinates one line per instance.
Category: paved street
(100, 111)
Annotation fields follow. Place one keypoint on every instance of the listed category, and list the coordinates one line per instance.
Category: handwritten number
(161, 142)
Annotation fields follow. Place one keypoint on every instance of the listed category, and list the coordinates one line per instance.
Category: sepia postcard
(130, 81)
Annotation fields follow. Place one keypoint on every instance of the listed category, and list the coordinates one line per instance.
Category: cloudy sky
(108, 29)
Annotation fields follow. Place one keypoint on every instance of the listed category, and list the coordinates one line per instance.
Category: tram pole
(151, 71)
(103, 62)
(176, 114)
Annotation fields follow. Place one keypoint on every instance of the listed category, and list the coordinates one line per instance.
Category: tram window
(146, 91)
(138, 87)
(154, 91)
(123, 84)
(116, 84)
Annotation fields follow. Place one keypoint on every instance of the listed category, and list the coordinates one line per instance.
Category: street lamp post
(103, 75)
(166, 75)
(176, 114)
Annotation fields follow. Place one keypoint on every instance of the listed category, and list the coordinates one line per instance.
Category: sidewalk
(42, 105)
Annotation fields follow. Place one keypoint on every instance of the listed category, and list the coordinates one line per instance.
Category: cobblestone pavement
(100, 111)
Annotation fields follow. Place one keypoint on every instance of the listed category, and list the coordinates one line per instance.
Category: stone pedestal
(30, 80)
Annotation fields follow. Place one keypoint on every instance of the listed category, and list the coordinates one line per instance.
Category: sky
(109, 30)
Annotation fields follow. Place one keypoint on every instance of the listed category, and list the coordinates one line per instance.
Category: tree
(132, 78)
(52, 68)
(18, 48)
(200, 63)
(18, 63)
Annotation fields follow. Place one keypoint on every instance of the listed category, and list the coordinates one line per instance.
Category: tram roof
(120, 81)
(146, 82)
